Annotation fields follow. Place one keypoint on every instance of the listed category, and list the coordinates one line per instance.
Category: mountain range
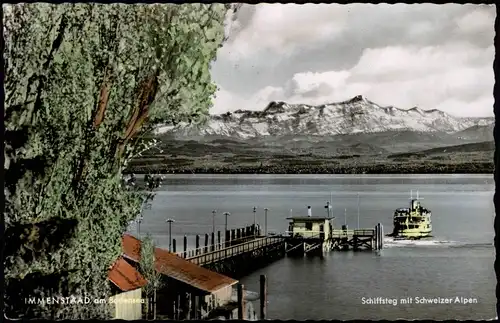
(358, 115)
(336, 137)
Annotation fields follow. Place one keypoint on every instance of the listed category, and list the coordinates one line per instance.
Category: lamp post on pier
(226, 214)
(265, 220)
(358, 211)
(139, 220)
(214, 212)
(170, 221)
(254, 221)
(328, 207)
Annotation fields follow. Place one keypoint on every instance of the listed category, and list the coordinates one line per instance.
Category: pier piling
(263, 297)
(173, 246)
(218, 239)
(185, 307)
(205, 250)
(241, 305)
(381, 236)
(212, 247)
(178, 308)
(185, 246)
(195, 304)
(197, 244)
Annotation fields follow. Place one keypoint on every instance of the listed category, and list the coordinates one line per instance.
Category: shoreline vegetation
(227, 157)
(380, 168)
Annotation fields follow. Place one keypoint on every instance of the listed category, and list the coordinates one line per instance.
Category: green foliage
(147, 267)
(85, 84)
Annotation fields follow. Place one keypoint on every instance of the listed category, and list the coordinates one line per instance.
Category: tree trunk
(154, 304)
(146, 310)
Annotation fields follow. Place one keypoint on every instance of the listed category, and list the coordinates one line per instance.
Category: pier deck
(251, 245)
(243, 251)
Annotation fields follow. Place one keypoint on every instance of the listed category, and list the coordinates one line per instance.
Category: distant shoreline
(431, 168)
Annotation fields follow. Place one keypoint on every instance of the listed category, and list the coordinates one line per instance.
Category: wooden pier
(238, 252)
(247, 249)
(314, 235)
(358, 239)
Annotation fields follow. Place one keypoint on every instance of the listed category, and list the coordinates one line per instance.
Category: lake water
(457, 261)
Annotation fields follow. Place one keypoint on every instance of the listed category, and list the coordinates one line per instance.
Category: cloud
(476, 21)
(284, 29)
(403, 55)
(482, 106)
(320, 84)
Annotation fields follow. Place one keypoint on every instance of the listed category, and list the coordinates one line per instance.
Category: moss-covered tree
(147, 267)
(85, 84)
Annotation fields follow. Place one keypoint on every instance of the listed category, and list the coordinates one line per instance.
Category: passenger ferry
(413, 222)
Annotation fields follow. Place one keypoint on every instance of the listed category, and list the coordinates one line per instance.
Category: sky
(425, 55)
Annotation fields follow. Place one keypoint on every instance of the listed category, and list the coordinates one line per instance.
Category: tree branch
(56, 44)
(103, 98)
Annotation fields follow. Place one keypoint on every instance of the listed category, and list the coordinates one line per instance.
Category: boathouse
(190, 291)
(310, 226)
(309, 234)
(127, 289)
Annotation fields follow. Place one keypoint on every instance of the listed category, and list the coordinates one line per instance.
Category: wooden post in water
(174, 309)
(263, 297)
(381, 236)
(233, 234)
(185, 306)
(241, 304)
(197, 244)
(378, 236)
(227, 238)
(238, 233)
(174, 250)
(178, 308)
(218, 239)
(185, 247)
(212, 247)
(205, 250)
(194, 307)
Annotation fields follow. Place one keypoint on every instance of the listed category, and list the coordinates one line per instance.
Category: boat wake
(390, 242)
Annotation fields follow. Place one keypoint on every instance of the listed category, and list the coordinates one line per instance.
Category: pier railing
(246, 240)
(337, 233)
(364, 232)
(342, 233)
(209, 248)
(216, 240)
(355, 232)
(224, 253)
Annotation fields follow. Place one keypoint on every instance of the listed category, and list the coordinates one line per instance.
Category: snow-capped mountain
(357, 115)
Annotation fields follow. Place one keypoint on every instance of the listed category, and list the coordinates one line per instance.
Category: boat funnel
(309, 211)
